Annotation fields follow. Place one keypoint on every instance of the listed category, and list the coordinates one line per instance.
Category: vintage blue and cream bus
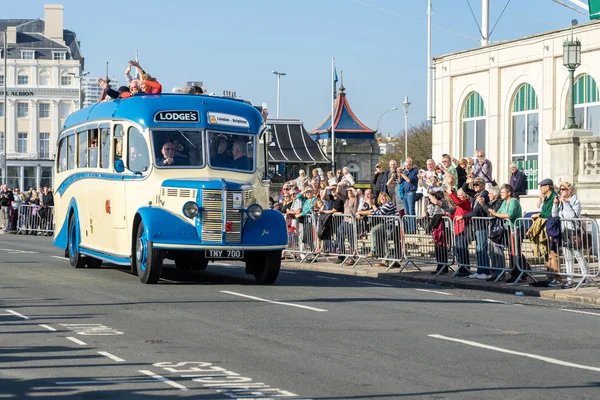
(169, 176)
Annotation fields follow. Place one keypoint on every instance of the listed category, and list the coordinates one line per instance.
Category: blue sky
(236, 44)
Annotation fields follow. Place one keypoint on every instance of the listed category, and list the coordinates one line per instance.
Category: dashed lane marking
(434, 291)
(289, 272)
(163, 379)
(60, 258)
(575, 311)
(376, 284)
(17, 314)
(15, 251)
(75, 340)
(47, 327)
(501, 302)
(273, 301)
(111, 356)
(517, 353)
(104, 382)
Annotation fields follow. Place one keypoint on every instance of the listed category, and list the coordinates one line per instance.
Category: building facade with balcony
(43, 63)
(510, 99)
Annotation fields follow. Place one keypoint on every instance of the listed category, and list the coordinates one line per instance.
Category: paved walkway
(589, 295)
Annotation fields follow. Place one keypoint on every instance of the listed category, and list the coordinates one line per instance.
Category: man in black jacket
(6, 198)
(518, 181)
(46, 213)
(377, 180)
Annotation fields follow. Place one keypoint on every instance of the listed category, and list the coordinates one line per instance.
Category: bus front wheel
(266, 267)
(75, 258)
(148, 260)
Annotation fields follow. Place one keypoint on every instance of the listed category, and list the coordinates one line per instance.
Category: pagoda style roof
(347, 125)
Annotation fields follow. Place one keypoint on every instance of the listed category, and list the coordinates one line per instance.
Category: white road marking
(434, 291)
(17, 314)
(274, 302)
(575, 311)
(289, 272)
(111, 356)
(75, 340)
(376, 284)
(328, 277)
(163, 379)
(48, 327)
(103, 382)
(501, 302)
(517, 353)
(15, 251)
(60, 258)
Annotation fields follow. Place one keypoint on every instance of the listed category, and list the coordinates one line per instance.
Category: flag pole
(4, 139)
(333, 115)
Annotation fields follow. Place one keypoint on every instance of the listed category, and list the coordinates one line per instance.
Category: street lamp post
(279, 75)
(385, 112)
(571, 60)
(80, 77)
(406, 107)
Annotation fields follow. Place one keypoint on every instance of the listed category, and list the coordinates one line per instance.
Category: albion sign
(16, 93)
(177, 116)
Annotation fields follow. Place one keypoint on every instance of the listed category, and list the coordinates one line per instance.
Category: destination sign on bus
(227, 119)
(177, 116)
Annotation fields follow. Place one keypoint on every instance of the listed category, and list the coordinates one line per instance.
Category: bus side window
(118, 142)
(105, 147)
(62, 155)
(93, 149)
(71, 152)
(83, 144)
(139, 157)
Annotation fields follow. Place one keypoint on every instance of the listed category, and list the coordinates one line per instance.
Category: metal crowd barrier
(337, 236)
(385, 238)
(427, 244)
(574, 254)
(301, 237)
(34, 219)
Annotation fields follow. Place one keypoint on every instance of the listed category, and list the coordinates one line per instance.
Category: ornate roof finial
(342, 88)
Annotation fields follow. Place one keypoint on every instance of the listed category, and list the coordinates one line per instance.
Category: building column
(33, 128)
(11, 135)
(55, 126)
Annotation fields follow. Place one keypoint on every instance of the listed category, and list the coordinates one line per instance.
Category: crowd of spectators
(456, 188)
(36, 219)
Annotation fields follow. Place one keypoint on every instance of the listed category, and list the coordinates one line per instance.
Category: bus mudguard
(165, 227)
(61, 239)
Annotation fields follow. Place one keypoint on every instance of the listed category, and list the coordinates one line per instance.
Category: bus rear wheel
(265, 266)
(75, 258)
(148, 260)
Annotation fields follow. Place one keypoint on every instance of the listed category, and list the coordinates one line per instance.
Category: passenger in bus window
(180, 151)
(240, 159)
(220, 156)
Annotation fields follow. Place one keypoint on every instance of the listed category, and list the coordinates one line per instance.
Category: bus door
(92, 216)
(114, 200)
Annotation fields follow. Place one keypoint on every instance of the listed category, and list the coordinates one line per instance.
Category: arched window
(22, 77)
(525, 133)
(44, 78)
(473, 119)
(587, 104)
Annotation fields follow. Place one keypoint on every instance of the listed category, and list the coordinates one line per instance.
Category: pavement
(585, 295)
(100, 334)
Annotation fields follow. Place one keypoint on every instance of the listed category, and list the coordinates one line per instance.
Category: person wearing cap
(122, 93)
(377, 180)
(518, 181)
(479, 226)
(547, 195)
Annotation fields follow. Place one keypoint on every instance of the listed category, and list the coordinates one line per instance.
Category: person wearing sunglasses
(168, 152)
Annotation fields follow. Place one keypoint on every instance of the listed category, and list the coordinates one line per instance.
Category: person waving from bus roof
(148, 84)
(240, 159)
(122, 93)
(168, 152)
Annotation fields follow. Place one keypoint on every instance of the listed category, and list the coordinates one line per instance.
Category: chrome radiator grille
(212, 215)
(216, 219)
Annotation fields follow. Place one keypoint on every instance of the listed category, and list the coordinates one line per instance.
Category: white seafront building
(510, 99)
(43, 66)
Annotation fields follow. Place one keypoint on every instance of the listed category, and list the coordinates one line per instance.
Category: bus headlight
(254, 211)
(190, 209)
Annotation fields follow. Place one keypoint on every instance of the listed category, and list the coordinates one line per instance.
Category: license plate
(225, 254)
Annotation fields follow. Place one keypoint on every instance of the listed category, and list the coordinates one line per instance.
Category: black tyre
(267, 267)
(75, 258)
(190, 260)
(148, 261)
(93, 262)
